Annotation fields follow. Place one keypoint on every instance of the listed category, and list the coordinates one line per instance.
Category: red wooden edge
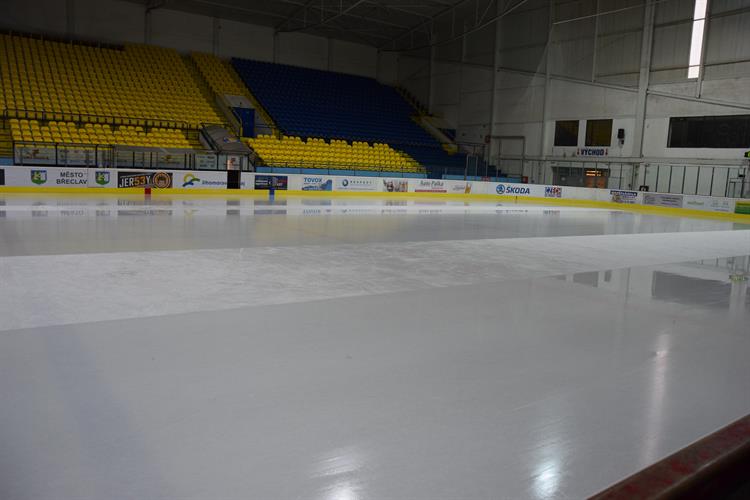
(715, 463)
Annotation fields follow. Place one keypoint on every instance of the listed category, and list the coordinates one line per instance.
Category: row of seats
(313, 103)
(317, 153)
(218, 75)
(138, 82)
(91, 133)
(316, 103)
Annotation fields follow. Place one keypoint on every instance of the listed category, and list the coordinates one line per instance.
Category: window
(696, 41)
(566, 133)
(709, 132)
(598, 133)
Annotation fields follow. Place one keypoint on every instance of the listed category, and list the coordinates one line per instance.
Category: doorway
(580, 177)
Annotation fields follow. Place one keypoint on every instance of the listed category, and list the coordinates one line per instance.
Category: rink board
(63, 179)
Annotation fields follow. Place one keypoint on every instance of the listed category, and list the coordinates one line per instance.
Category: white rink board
(182, 179)
(62, 177)
(192, 179)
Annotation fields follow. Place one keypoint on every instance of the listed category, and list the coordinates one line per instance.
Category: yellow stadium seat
(316, 153)
(66, 82)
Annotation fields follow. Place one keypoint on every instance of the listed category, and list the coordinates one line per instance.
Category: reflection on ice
(19, 207)
(718, 283)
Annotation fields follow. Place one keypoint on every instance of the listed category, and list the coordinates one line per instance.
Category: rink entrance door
(589, 176)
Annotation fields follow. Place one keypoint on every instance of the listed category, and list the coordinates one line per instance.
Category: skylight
(696, 41)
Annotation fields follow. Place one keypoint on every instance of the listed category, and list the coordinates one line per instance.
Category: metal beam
(475, 28)
(596, 44)
(336, 14)
(495, 64)
(291, 16)
(547, 103)
(395, 8)
(235, 8)
(647, 40)
(421, 25)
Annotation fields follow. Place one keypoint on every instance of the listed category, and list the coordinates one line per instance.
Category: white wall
(120, 21)
(387, 67)
(244, 40)
(413, 73)
(48, 16)
(594, 69)
(353, 58)
(181, 30)
(299, 49)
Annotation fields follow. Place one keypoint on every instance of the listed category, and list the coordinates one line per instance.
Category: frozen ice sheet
(488, 353)
(62, 225)
(94, 287)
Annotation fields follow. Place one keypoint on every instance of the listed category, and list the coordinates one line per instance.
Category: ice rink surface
(188, 348)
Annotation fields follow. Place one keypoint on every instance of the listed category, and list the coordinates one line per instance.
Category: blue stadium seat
(312, 103)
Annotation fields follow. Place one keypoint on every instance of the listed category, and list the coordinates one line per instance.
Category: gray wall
(556, 59)
(119, 21)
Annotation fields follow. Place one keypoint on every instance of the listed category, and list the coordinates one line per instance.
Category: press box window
(566, 133)
(598, 133)
(732, 131)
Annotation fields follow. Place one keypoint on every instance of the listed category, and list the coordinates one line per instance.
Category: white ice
(358, 349)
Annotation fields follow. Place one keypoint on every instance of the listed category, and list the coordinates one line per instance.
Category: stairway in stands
(429, 122)
(229, 91)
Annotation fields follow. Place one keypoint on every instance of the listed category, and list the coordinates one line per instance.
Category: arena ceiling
(385, 24)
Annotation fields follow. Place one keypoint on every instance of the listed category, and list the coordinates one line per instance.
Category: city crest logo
(102, 177)
(38, 176)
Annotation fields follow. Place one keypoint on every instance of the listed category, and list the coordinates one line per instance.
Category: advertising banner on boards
(316, 183)
(144, 178)
(517, 189)
(46, 176)
(430, 186)
(708, 203)
(200, 180)
(458, 187)
(266, 182)
(395, 185)
(663, 200)
(618, 196)
(356, 184)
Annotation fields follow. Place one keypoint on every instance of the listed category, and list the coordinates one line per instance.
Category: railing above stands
(109, 156)
(25, 114)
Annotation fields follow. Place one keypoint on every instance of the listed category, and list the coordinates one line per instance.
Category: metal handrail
(109, 120)
(108, 155)
(43, 36)
(303, 164)
(73, 145)
(234, 122)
